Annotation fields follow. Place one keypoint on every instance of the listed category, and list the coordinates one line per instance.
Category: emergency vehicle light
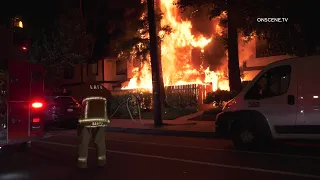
(37, 105)
(24, 48)
(36, 120)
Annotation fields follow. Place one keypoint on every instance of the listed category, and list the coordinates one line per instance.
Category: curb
(163, 132)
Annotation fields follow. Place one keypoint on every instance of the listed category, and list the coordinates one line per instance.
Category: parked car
(281, 103)
(62, 111)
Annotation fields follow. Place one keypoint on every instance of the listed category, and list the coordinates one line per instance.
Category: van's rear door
(308, 99)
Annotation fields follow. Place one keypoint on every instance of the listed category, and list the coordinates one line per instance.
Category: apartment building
(109, 72)
(112, 72)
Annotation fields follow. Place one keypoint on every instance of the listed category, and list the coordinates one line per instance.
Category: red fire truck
(21, 93)
(21, 104)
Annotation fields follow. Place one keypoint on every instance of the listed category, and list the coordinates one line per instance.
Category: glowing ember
(176, 56)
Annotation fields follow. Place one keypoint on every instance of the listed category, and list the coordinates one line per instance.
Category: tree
(155, 58)
(136, 38)
(216, 8)
(125, 26)
(55, 42)
(129, 34)
(135, 42)
(66, 46)
(107, 22)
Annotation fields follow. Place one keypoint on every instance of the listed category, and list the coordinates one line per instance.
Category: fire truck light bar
(37, 105)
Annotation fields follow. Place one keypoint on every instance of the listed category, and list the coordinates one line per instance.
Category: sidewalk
(178, 127)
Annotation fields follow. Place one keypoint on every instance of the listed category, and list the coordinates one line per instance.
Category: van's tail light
(37, 105)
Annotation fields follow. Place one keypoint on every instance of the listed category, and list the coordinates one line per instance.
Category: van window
(272, 83)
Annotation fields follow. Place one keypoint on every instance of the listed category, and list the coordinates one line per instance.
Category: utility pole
(157, 107)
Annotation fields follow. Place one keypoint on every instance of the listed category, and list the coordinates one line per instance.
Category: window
(121, 67)
(68, 73)
(274, 82)
(94, 68)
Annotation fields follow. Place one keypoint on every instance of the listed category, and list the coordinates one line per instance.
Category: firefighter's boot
(82, 163)
(101, 161)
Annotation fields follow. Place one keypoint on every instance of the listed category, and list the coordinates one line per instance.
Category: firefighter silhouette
(93, 120)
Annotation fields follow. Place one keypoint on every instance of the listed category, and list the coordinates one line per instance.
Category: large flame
(176, 56)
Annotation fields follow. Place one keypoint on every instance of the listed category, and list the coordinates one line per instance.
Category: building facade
(109, 72)
(112, 72)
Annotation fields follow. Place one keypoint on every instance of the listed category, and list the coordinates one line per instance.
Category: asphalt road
(148, 157)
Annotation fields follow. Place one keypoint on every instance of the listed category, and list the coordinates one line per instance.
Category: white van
(281, 102)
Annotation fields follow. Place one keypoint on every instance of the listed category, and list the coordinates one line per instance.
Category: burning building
(192, 57)
(189, 56)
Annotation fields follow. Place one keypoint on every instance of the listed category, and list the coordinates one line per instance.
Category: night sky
(35, 13)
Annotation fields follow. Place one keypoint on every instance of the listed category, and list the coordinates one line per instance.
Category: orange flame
(176, 56)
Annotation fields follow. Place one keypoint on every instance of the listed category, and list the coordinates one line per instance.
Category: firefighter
(93, 120)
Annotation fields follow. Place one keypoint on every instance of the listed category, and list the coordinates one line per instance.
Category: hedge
(176, 102)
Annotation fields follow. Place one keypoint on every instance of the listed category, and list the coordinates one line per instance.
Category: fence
(178, 96)
(190, 95)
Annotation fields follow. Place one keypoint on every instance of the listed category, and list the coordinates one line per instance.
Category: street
(149, 157)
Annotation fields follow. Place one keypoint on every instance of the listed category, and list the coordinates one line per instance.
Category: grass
(169, 114)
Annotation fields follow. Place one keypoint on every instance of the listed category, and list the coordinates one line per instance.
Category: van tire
(245, 136)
